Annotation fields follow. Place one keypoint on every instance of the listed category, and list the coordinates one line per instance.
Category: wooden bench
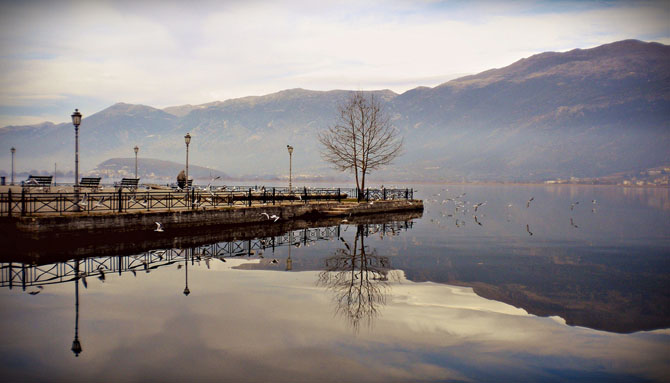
(39, 181)
(90, 182)
(128, 183)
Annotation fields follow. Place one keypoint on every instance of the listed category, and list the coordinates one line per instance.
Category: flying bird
(528, 203)
(572, 206)
(159, 227)
(528, 229)
(572, 223)
(266, 215)
(275, 217)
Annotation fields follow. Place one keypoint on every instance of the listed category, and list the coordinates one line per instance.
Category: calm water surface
(557, 291)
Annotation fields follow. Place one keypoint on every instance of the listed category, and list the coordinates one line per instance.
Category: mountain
(583, 113)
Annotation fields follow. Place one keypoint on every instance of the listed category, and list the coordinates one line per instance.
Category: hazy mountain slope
(582, 113)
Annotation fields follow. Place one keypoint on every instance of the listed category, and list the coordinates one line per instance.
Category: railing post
(384, 193)
(412, 194)
(273, 196)
(120, 199)
(264, 199)
(406, 194)
(339, 196)
(305, 194)
(9, 202)
(249, 197)
(367, 195)
(23, 202)
(192, 197)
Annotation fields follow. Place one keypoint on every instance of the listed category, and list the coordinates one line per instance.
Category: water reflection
(358, 278)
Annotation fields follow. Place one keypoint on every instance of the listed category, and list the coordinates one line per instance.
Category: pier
(122, 210)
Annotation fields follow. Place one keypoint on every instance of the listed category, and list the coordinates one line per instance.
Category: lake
(539, 283)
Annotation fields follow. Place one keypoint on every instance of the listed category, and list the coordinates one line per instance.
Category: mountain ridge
(581, 113)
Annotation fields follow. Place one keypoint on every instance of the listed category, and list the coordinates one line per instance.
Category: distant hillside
(584, 113)
(153, 169)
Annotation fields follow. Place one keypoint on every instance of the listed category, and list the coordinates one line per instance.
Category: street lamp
(290, 167)
(187, 139)
(76, 120)
(136, 150)
(186, 290)
(13, 150)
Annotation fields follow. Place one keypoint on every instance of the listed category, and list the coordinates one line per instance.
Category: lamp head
(13, 149)
(136, 149)
(76, 118)
(290, 149)
(187, 138)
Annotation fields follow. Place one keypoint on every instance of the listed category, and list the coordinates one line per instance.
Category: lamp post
(136, 150)
(76, 345)
(186, 290)
(187, 139)
(290, 167)
(76, 121)
(13, 150)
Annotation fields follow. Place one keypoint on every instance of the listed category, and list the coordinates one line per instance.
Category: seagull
(99, 202)
(275, 217)
(572, 206)
(34, 292)
(159, 227)
(528, 203)
(266, 215)
(528, 229)
(102, 274)
(477, 205)
(478, 223)
(274, 261)
(573, 224)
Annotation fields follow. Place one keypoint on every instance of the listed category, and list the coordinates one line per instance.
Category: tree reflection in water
(358, 277)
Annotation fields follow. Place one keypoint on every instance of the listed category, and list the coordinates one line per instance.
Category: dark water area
(546, 290)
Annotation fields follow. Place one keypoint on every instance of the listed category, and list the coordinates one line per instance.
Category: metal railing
(30, 203)
(23, 275)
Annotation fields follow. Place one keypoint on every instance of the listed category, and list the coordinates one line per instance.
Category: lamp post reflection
(358, 278)
(76, 345)
(186, 290)
(289, 261)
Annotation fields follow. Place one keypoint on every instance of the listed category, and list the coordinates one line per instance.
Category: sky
(56, 56)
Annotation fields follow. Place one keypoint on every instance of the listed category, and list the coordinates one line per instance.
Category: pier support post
(384, 193)
(305, 194)
(339, 195)
(249, 197)
(273, 196)
(120, 199)
(9, 202)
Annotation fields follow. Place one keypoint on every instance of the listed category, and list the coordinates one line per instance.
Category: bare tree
(362, 139)
(359, 280)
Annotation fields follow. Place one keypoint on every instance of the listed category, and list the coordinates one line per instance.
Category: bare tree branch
(362, 140)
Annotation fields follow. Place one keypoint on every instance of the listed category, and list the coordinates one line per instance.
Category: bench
(189, 185)
(90, 182)
(128, 183)
(38, 181)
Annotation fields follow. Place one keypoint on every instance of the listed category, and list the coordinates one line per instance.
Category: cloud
(171, 54)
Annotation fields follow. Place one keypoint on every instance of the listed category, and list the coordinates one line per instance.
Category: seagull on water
(159, 227)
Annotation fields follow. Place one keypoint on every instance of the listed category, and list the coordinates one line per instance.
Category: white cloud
(175, 54)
